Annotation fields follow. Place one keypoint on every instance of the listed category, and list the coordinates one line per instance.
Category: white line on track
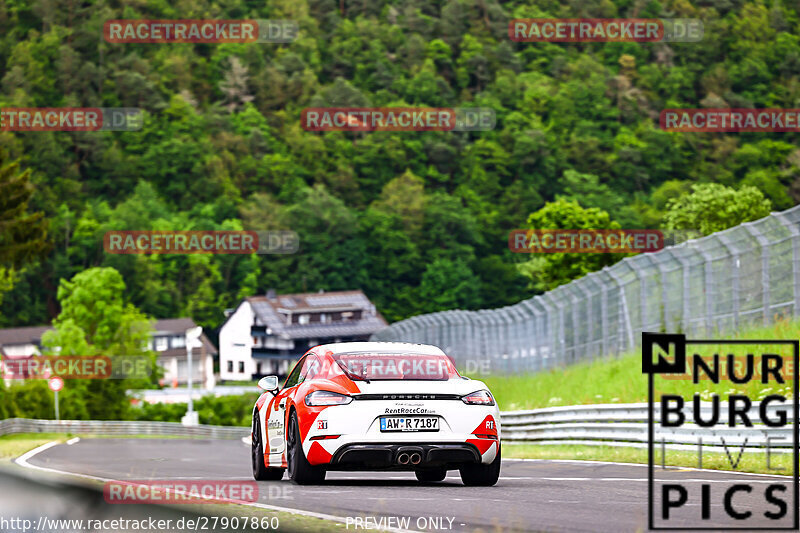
(23, 461)
(70, 442)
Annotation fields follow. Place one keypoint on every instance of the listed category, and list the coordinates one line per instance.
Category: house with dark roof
(168, 341)
(265, 334)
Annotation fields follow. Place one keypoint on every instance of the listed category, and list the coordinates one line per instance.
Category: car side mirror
(269, 383)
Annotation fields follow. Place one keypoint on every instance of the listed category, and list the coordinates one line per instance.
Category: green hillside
(418, 220)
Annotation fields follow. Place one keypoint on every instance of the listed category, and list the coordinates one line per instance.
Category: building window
(230, 366)
(323, 318)
(302, 319)
(241, 367)
(178, 341)
(161, 344)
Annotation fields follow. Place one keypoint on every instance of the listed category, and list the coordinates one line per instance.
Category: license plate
(409, 423)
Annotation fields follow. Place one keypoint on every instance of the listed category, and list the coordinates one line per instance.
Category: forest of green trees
(418, 220)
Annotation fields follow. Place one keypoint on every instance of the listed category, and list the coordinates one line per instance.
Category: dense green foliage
(95, 320)
(713, 207)
(550, 270)
(236, 410)
(418, 220)
(22, 233)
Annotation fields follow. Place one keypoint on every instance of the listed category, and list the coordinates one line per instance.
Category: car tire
(261, 472)
(481, 475)
(300, 470)
(430, 475)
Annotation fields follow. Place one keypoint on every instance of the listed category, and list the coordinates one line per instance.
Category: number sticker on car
(409, 423)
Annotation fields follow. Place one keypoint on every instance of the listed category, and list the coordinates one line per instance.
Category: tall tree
(23, 235)
(96, 320)
(549, 270)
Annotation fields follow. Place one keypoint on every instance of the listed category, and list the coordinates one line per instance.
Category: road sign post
(56, 384)
(192, 340)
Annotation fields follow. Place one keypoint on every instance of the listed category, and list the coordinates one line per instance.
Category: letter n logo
(663, 353)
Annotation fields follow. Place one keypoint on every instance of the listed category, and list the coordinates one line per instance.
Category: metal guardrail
(626, 425)
(120, 428)
(605, 424)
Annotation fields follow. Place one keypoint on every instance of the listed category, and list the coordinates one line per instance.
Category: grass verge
(12, 446)
(620, 379)
(751, 461)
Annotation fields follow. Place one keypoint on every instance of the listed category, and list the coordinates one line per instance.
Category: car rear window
(400, 366)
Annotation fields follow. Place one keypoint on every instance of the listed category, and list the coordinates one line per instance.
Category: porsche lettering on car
(375, 406)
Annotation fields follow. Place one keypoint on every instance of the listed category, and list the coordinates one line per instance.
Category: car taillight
(481, 397)
(324, 397)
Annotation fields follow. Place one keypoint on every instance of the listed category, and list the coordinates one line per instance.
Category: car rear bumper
(367, 456)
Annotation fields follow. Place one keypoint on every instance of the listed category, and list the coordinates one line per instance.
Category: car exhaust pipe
(402, 459)
(415, 458)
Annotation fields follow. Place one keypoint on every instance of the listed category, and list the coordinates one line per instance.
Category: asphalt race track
(531, 495)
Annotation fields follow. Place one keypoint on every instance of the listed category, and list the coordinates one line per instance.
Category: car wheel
(481, 475)
(431, 474)
(300, 470)
(261, 472)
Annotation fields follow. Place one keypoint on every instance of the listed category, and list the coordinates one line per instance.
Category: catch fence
(748, 274)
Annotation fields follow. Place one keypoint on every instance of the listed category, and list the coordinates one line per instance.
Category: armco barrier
(606, 424)
(626, 425)
(120, 428)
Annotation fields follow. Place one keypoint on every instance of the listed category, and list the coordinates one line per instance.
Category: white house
(265, 334)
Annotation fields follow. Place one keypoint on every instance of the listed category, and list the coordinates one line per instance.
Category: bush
(31, 399)
(219, 411)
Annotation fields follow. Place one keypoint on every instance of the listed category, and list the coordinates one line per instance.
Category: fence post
(516, 341)
(642, 298)
(623, 307)
(676, 252)
(662, 274)
(765, 283)
(604, 316)
(537, 337)
(795, 236)
(723, 238)
(546, 300)
(708, 273)
(573, 300)
(587, 325)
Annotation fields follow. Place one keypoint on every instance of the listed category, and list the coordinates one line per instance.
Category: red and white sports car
(376, 406)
